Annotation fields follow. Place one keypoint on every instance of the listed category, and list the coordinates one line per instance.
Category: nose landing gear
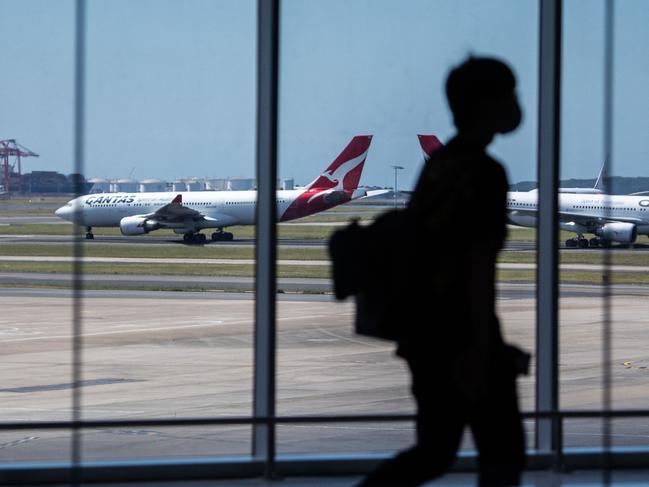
(89, 234)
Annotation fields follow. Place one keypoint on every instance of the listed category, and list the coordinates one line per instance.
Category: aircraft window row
(607, 208)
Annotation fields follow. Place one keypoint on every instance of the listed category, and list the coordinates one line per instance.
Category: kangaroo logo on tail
(336, 184)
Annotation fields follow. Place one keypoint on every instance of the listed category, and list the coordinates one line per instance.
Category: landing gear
(222, 236)
(194, 238)
(575, 242)
(89, 234)
(595, 242)
(583, 243)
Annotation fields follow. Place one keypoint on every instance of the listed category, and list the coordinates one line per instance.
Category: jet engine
(618, 232)
(136, 225)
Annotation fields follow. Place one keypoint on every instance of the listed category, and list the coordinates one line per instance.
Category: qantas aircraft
(188, 213)
(610, 218)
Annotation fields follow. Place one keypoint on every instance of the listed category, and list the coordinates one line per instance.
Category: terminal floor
(585, 478)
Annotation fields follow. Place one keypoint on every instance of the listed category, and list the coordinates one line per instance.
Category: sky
(171, 84)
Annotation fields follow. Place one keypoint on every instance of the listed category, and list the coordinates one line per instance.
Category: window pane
(36, 96)
(171, 99)
(169, 112)
(368, 68)
(585, 308)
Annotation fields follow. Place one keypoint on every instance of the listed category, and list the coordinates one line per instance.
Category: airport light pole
(396, 168)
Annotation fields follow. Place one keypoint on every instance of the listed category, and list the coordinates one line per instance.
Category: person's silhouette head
(481, 94)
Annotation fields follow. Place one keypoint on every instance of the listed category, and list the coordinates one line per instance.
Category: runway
(148, 240)
(165, 354)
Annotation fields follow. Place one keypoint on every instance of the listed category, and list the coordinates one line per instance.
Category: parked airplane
(188, 213)
(611, 218)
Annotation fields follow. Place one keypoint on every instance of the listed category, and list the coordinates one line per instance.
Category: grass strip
(573, 277)
(95, 249)
(221, 270)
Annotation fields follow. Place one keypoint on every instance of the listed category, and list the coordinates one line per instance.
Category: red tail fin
(336, 184)
(429, 144)
(345, 171)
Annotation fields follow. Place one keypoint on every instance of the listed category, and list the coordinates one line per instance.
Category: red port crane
(11, 149)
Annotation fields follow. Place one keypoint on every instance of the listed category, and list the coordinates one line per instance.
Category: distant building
(241, 184)
(194, 184)
(52, 182)
(99, 185)
(288, 183)
(152, 186)
(216, 184)
(124, 185)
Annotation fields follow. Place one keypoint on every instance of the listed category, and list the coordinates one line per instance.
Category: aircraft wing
(175, 211)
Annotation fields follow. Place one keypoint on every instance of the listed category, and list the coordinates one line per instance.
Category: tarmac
(190, 354)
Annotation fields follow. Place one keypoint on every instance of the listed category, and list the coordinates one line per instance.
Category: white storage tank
(241, 184)
(216, 184)
(152, 186)
(99, 185)
(194, 184)
(178, 186)
(124, 185)
(288, 183)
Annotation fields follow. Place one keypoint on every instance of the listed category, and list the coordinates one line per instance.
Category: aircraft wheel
(571, 243)
(200, 237)
(227, 236)
(595, 242)
(188, 238)
(90, 236)
(583, 243)
(217, 236)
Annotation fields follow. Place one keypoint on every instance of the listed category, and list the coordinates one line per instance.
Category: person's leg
(498, 433)
(440, 422)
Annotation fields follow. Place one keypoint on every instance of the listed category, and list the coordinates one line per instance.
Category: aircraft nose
(63, 212)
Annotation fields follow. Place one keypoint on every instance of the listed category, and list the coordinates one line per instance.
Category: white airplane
(611, 218)
(188, 213)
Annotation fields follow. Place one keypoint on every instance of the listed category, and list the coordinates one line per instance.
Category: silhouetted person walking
(462, 371)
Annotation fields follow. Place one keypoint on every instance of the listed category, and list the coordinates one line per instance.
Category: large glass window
(163, 149)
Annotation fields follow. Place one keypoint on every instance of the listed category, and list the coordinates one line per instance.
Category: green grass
(220, 270)
(93, 249)
(570, 277)
(595, 257)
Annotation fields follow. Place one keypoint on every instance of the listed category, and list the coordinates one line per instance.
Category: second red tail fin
(429, 144)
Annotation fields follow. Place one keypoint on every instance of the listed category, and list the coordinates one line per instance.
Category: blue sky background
(171, 84)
